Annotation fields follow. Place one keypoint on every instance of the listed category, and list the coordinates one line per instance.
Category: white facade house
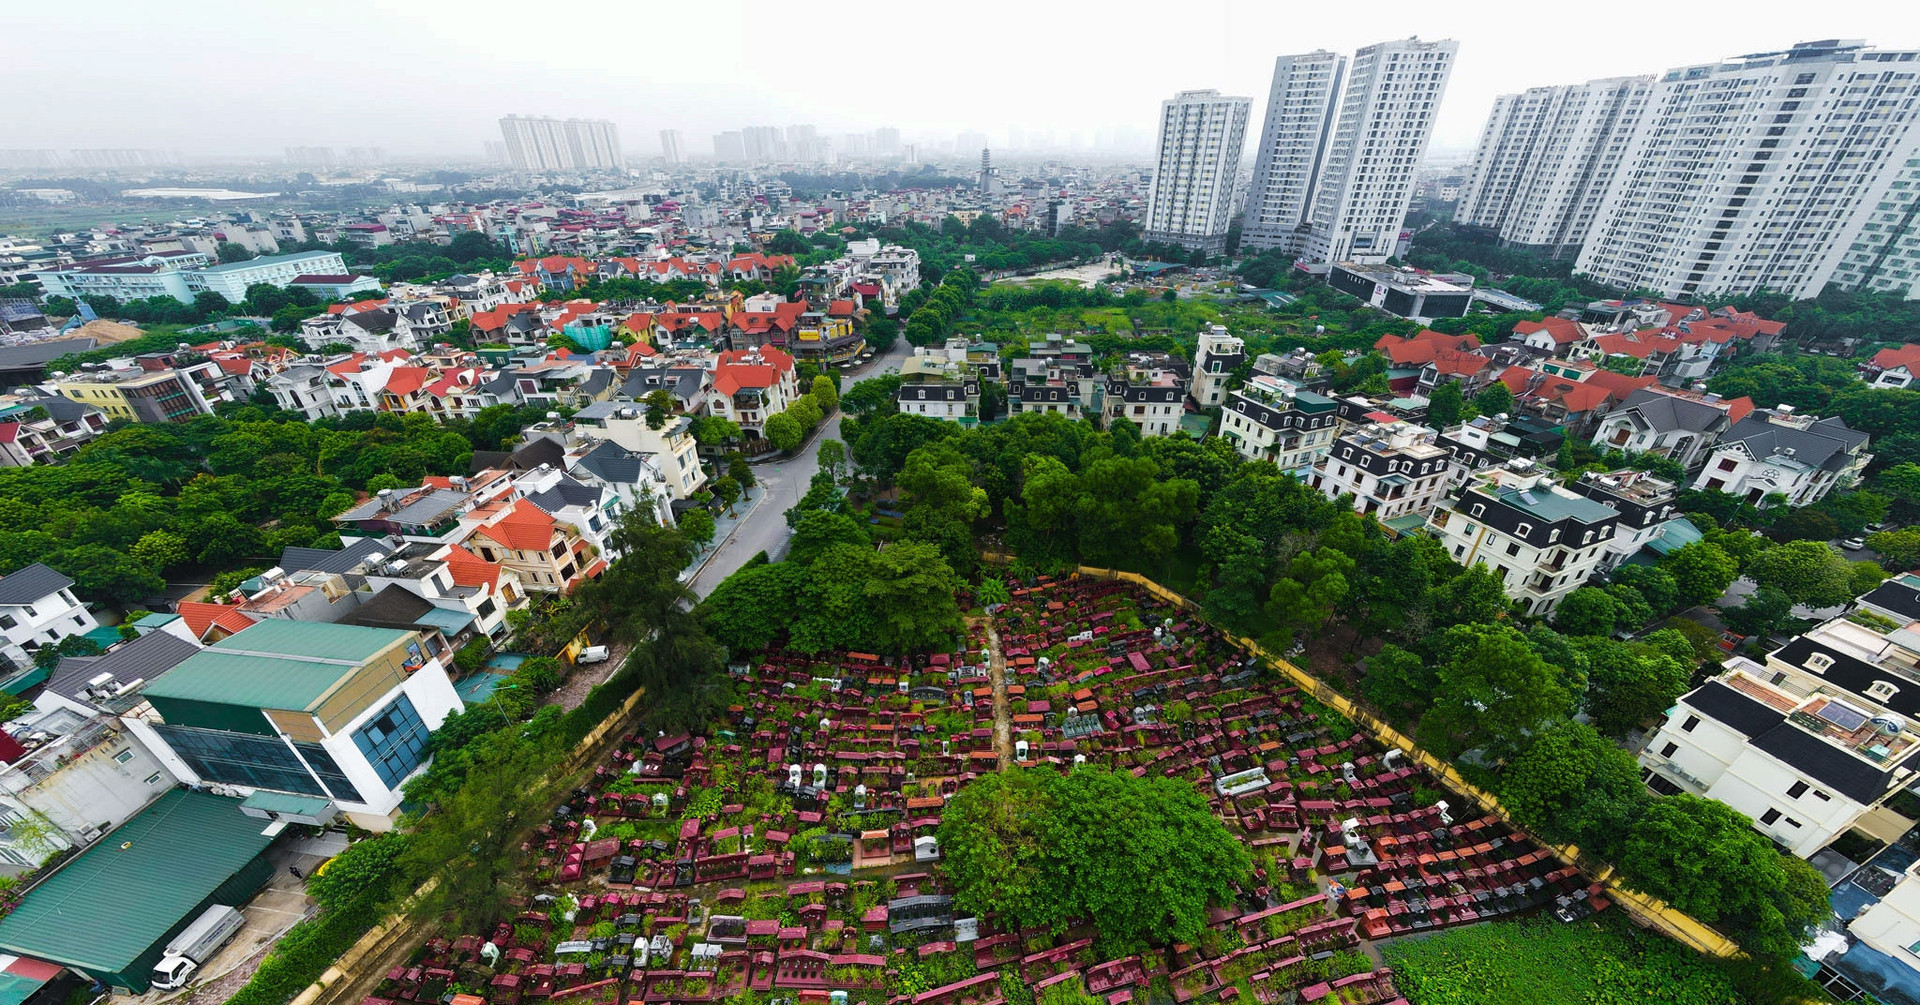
(38, 608)
(1544, 160)
(1809, 745)
(1191, 202)
(1678, 426)
(1543, 541)
(1646, 505)
(1779, 451)
(1275, 419)
(1214, 361)
(1392, 470)
(1758, 173)
(1379, 137)
(342, 714)
(1300, 109)
(672, 448)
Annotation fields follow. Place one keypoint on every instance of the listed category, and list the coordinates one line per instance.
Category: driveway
(785, 481)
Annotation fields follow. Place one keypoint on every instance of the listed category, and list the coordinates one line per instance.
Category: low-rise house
(547, 555)
(45, 429)
(142, 395)
(1679, 425)
(1058, 385)
(1147, 389)
(1645, 505)
(939, 383)
(1542, 540)
(1393, 470)
(1409, 356)
(674, 453)
(335, 713)
(1780, 452)
(1275, 419)
(38, 608)
(1892, 368)
(1557, 336)
(753, 385)
(1487, 441)
(1214, 362)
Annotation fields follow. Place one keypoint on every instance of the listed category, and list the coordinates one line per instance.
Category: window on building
(1687, 726)
(1882, 690)
(393, 741)
(261, 762)
(1728, 464)
(153, 779)
(1769, 816)
(1667, 751)
(123, 756)
(1797, 790)
(1819, 662)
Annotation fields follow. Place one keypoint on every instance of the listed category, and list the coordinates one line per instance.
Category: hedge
(305, 952)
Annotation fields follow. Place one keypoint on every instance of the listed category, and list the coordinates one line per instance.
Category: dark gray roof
(599, 379)
(1666, 412)
(684, 382)
(1854, 675)
(30, 584)
(17, 357)
(378, 321)
(502, 387)
(392, 607)
(566, 492)
(1823, 444)
(418, 312)
(341, 560)
(1896, 596)
(1826, 763)
(64, 409)
(1748, 715)
(612, 463)
(143, 658)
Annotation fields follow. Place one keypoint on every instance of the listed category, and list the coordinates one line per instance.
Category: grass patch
(1603, 961)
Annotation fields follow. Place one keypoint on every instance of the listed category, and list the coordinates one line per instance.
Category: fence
(1650, 911)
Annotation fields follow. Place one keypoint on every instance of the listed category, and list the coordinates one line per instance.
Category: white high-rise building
(1299, 116)
(1885, 254)
(1366, 177)
(1544, 161)
(730, 146)
(537, 143)
(1191, 202)
(671, 148)
(1761, 172)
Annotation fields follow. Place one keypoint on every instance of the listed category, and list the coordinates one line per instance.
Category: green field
(1601, 961)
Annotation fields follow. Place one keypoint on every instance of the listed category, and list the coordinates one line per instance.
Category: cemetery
(793, 853)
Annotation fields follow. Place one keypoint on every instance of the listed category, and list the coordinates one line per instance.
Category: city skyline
(452, 104)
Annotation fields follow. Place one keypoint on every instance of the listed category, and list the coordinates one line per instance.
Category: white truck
(195, 944)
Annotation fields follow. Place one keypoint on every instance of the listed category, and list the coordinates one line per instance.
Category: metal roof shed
(109, 912)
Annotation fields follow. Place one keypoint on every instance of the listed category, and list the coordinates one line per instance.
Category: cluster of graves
(792, 853)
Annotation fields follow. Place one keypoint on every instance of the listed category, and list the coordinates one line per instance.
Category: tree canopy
(1143, 857)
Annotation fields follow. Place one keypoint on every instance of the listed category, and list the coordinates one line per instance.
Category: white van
(592, 654)
(195, 944)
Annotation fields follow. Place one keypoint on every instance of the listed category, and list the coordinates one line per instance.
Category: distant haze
(431, 77)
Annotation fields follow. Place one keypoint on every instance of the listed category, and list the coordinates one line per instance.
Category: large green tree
(1493, 691)
(1569, 783)
(1144, 858)
(1701, 572)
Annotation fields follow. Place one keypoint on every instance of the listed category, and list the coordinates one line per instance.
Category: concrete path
(1002, 715)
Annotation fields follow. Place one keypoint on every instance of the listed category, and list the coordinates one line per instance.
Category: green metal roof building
(109, 912)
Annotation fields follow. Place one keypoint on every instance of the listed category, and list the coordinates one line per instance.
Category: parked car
(1854, 543)
(592, 654)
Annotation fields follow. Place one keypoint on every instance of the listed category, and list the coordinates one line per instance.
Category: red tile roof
(1562, 330)
(201, 616)
(1420, 348)
(523, 527)
(469, 569)
(1906, 355)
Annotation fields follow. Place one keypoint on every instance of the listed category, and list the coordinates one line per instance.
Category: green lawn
(1602, 961)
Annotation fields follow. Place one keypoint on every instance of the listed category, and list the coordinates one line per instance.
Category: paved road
(786, 481)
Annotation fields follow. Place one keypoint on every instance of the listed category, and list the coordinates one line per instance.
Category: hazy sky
(433, 76)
